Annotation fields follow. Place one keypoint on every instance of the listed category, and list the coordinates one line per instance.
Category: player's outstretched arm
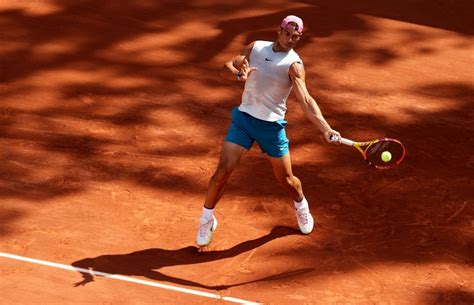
(307, 102)
(238, 67)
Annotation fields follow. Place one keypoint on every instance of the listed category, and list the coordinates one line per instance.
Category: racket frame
(368, 144)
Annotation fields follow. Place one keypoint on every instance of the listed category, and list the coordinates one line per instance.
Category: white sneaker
(206, 227)
(305, 220)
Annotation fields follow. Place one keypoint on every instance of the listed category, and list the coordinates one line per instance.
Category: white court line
(127, 279)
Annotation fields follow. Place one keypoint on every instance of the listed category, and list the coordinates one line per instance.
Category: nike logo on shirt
(267, 59)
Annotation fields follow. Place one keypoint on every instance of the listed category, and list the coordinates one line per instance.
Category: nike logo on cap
(267, 59)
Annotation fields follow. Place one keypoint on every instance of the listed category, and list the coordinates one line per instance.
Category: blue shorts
(270, 136)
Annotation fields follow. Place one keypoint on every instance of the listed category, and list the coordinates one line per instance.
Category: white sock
(302, 204)
(207, 213)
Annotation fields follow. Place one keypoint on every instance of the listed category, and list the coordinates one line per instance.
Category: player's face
(288, 37)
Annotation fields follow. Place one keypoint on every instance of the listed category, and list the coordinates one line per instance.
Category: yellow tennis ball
(386, 156)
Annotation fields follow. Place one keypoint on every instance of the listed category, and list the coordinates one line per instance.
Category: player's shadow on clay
(146, 262)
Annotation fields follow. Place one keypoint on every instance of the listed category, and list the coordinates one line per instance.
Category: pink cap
(295, 19)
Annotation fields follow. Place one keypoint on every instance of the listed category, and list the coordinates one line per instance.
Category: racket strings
(374, 153)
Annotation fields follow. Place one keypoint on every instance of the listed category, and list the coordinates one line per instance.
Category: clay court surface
(112, 114)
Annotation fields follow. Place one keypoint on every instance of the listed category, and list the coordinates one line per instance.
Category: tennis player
(270, 70)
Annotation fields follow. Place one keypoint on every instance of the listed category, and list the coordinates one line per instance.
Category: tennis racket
(372, 151)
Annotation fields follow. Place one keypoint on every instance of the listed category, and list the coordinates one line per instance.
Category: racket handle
(334, 138)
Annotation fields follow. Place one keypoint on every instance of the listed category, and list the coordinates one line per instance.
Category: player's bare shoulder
(244, 55)
(296, 71)
(248, 49)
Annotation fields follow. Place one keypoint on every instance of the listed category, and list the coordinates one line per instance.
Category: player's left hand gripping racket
(372, 151)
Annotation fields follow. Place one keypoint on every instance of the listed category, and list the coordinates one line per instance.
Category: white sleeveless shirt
(267, 89)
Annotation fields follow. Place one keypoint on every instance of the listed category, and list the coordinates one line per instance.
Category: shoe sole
(214, 227)
(306, 233)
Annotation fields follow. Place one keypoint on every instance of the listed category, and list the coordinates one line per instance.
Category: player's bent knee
(292, 181)
(222, 174)
(285, 180)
